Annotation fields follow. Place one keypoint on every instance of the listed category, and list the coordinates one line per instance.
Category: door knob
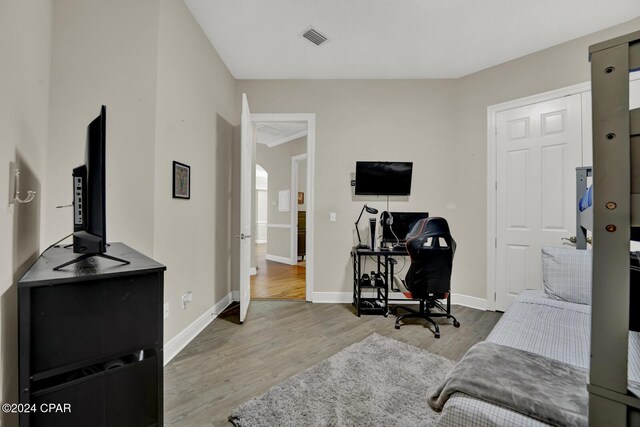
(242, 236)
(571, 239)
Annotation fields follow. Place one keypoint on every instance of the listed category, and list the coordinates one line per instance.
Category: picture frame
(181, 181)
(300, 198)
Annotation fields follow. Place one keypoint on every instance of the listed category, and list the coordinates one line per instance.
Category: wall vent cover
(314, 37)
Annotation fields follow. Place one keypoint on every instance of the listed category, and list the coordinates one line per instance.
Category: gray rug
(376, 382)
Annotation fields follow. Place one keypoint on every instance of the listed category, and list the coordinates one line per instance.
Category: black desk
(385, 265)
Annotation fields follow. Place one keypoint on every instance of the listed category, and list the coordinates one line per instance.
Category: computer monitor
(401, 225)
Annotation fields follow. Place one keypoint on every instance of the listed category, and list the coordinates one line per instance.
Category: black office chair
(431, 249)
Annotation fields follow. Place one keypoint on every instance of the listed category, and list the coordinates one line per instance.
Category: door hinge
(495, 184)
(495, 242)
(495, 297)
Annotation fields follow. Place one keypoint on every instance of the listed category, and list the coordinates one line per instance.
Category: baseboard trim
(261, 241)
(280, 259)
(347, 297)
(332, 297)
(180, 341)
(253, 271)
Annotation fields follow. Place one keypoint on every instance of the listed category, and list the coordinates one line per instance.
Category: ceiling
(393, 39)
(273, 134)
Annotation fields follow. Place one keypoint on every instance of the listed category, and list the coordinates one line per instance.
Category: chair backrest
(431, 248)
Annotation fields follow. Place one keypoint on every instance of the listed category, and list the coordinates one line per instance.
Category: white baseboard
(280, 259)
(347, 297)
(260, 241)
(332, 297)
(180, 341)
(468, 301)
(253, 271)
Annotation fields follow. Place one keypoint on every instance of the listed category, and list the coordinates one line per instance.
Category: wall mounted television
(383, 178)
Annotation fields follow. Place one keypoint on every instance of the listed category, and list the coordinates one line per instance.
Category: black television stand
(87, 256)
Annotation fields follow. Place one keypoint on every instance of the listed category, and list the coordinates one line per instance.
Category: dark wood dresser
(90, 337)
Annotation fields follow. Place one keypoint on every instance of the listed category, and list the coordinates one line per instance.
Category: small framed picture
(181, 181)
(300, 198)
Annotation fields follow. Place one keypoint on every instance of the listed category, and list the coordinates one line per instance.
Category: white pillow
(567, 274)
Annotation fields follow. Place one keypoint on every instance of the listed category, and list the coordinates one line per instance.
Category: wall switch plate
(332, 217)
(166, 310)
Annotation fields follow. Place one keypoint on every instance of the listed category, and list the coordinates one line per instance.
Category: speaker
(372, 230)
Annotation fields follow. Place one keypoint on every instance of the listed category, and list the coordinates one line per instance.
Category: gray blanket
(536, 386)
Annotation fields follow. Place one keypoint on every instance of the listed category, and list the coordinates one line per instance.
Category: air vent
(314, 37)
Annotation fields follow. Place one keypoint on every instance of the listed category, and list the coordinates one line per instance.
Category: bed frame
(615, 210)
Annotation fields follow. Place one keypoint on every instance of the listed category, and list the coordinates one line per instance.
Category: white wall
(25, 52)
(194, 125)
(104, 52)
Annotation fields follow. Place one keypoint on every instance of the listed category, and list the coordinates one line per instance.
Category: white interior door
(246, 171)
(538, 148)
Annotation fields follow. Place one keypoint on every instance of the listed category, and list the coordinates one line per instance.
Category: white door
(538, 148)
(246, 171)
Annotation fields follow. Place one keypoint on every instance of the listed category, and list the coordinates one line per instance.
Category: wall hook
(16, 192)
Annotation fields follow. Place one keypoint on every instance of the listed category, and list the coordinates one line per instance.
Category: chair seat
(409, 295)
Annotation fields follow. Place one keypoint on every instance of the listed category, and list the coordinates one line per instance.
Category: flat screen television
(89, 197)
(89, 223)
(383, 178)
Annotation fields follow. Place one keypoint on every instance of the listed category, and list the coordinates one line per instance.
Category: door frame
(310, 119)
(492, 171)
(294, 205)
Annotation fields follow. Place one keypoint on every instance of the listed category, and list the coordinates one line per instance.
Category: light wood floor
(276, 280)
(228, 363)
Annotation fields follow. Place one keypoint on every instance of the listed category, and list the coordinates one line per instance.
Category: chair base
(425, 313)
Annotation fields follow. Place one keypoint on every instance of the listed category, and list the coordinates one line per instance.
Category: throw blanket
(536, 386)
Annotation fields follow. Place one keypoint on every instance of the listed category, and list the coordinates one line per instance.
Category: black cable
(52, 245)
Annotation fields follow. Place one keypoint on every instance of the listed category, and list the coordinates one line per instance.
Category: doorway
(282, 252)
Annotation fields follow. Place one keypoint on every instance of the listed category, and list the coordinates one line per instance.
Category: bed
(555, 329)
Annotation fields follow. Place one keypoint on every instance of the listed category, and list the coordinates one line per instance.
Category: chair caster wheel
(397, 326)
(456, 324)
(386, 315)
(437, 334)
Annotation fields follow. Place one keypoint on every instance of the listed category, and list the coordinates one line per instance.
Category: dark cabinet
(90, 336)
(302, 234)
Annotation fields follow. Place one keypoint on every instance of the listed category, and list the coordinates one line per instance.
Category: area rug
(376, 382)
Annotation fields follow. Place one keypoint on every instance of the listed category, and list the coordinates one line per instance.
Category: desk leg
(358, 300)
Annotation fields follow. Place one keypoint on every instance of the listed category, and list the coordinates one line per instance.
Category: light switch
(332, 217)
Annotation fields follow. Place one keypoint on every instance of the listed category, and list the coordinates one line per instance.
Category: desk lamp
(372, 211)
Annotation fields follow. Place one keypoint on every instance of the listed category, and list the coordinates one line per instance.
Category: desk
(385, 266)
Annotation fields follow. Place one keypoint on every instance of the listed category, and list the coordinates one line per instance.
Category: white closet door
(538, 148)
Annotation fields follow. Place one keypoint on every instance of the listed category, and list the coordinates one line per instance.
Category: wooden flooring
(276, 280)
(229, 363)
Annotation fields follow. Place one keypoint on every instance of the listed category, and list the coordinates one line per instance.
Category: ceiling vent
(314, 37)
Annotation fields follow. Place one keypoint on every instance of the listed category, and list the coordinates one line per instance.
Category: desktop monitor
(402, 223)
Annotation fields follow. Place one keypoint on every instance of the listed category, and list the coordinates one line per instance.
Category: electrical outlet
(332, 216)
(166, 310)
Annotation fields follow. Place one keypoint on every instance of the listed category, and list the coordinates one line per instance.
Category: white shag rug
(376, 382)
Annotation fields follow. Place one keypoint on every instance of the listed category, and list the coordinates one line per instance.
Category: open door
(246, 153)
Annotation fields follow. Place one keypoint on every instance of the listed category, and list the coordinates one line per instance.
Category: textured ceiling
(259, 39)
